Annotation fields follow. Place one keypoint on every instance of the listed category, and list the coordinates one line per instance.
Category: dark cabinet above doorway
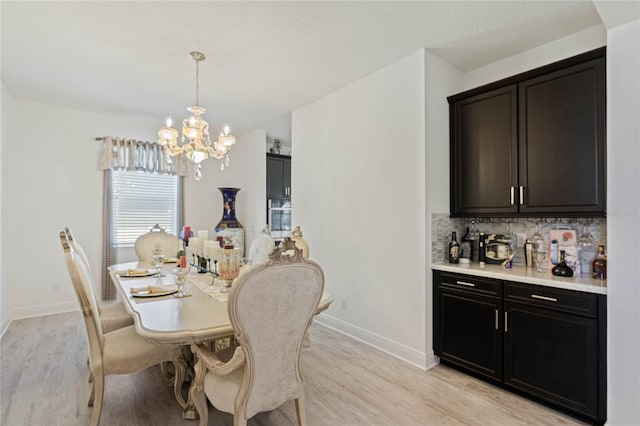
(532, 144)
(278, 176)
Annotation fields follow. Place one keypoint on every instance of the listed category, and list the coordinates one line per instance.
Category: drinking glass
(229, 268)
(540, 257)
(181, 279)
(158, 260)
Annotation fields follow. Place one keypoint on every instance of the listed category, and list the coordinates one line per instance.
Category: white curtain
(131, 155)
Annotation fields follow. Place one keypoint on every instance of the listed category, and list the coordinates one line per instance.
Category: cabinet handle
(496, 319)
(465, 283)
(521, 195)
(550, 299)
(513, 195)
(506, 323)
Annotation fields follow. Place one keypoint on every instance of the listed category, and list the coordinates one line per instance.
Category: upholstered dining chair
(113, 315)
(121, 351)
(271, 307)
(157, 238)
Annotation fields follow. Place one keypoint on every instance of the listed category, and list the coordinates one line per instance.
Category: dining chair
(113, 315)
(157, 238)
(270, 307)
(121, 351)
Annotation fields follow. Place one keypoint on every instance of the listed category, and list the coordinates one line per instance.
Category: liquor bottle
(466, 248)
(599, 265)
(473, 239)
(481, 249)
(562, 269)
(586, 250)
(454, 249)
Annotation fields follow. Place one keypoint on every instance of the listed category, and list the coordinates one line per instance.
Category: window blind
(139, 201)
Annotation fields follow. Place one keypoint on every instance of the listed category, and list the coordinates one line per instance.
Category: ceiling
(264, 59)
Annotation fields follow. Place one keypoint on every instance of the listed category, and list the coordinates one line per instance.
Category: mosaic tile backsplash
(442, 226)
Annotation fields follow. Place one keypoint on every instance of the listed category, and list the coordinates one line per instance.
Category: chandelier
(195, 142)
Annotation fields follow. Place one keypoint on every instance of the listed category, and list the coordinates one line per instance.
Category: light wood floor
(43, 381)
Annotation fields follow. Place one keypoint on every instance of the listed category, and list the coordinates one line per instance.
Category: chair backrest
(146, 243)
(73, 244)
(81, 280)
(270, 307)
(77, 248)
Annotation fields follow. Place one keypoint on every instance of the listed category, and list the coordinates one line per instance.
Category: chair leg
(301, 410)
(92, 394)
(99, 394)
(239, 420)
(196, 393)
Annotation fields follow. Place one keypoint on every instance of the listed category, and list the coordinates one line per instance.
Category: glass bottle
(466, 248)
(586, 250)
(539, 246)
(454, 249)
(561, 269)
(482, 254)
(599, 265)
(473, 239)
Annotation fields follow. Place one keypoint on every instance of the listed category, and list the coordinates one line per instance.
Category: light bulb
(169, 121)
(226, 130)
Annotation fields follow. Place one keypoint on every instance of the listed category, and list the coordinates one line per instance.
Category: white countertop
(521, 273)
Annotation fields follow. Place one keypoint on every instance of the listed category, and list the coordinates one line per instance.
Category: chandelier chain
(197, 82)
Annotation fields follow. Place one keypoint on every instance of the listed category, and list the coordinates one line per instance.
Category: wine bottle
(454, 249)
(599, 265)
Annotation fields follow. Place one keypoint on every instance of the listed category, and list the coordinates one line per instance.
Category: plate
(153, 291)
(128, 274)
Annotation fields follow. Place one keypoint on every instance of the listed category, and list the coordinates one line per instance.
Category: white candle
(203, 235)
(196, 247)
(209, 246)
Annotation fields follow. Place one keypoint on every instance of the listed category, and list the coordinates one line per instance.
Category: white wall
(623, 223)
(6, 108)
(563, 48)
(247, 170)
(51, 180)
(358, 185)
(441, 80)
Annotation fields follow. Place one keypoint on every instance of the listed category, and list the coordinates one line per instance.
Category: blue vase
(229, 227)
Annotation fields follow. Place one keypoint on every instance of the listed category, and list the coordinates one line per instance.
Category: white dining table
(199, 318)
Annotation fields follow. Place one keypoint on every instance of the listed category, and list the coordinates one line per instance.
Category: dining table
(159, 317)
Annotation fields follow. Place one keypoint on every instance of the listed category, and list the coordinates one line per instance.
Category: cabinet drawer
(471, 284)
(574, 302)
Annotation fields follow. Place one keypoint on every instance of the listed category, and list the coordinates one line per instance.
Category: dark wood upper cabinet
(278, 176)
(532, 144)
(485, 152)
(562, 152)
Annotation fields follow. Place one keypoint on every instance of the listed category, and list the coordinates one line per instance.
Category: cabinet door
(562, 140)
(553, 356)
(467, 332)
(484, 153)
(278, 177)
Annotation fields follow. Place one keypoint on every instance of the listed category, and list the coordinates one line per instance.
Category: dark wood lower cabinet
(545, 343)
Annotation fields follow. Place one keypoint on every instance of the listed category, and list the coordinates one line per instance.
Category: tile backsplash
(442, 225)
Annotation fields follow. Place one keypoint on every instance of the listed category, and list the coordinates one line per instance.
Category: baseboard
(41, 310)
(398, 350)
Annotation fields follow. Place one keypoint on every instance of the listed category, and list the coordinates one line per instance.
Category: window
(139, 201)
